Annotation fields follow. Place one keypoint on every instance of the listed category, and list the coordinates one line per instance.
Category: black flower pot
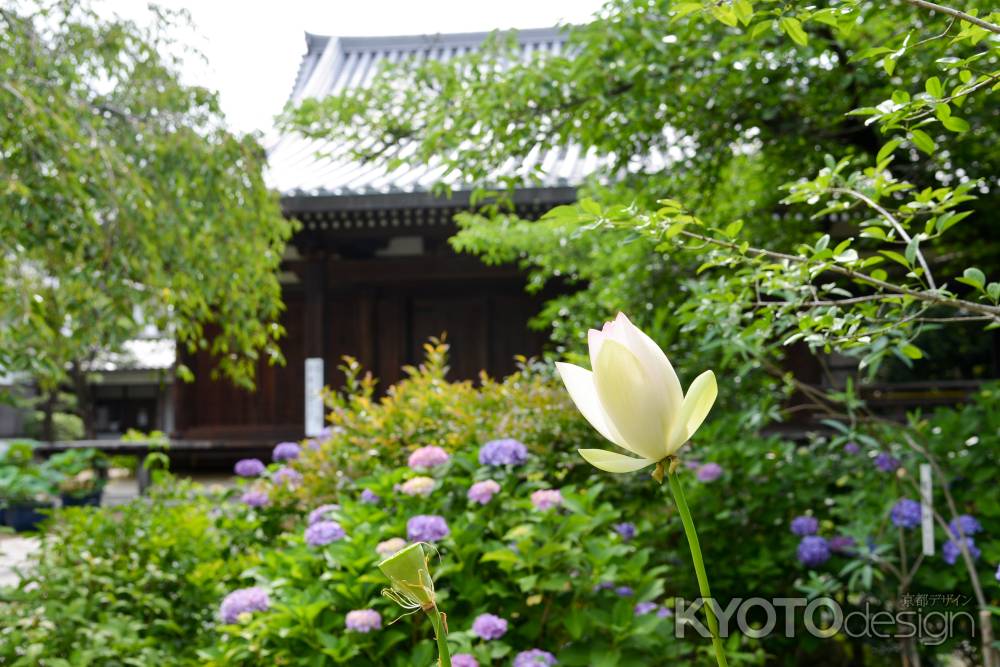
(92, 499)
(23, 518)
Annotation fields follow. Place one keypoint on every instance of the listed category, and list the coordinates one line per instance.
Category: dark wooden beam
(295, 205)
(314, 279)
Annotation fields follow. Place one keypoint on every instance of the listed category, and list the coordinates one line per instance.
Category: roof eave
(297, 204)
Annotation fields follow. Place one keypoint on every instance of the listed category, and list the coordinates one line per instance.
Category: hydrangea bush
(581, 568)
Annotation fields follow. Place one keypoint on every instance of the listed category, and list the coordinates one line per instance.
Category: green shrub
(65, 426)
(145, 582)
(131, 585)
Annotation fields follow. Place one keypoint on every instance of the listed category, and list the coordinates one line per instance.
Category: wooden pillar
(314, 284)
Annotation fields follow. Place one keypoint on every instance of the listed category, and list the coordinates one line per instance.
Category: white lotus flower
(634, 399)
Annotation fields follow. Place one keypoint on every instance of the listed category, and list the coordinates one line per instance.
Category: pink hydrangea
(363, 620)
(418, 486)
(425, 458)
(483, 492)
(545, 499)
(388, 547)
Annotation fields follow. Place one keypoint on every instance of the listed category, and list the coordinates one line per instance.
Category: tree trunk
(48, 408)
(84, 402)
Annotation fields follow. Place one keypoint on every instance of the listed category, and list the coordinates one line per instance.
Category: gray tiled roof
(299, 166)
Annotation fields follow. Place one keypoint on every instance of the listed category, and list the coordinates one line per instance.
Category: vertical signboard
(927, 509)
(314, 396)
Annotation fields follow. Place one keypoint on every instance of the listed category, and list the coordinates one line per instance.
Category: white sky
(253, 47)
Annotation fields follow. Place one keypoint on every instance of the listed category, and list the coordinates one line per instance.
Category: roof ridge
(442, 38)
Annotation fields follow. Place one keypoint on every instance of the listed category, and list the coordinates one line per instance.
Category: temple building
(370, 273)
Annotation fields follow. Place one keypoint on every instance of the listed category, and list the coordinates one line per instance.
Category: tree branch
(992, 312)
(968, 18)
(871, 203)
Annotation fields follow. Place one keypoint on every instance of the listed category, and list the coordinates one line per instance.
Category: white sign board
(314, 396)
(927, 509)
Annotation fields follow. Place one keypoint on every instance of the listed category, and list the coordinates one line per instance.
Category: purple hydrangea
(249, 467)
(289, 476)
(505, 452)
(363, 620)
(813, 551)
(886, 463)
(427, 528)
(604, 586)
(321, 513)
(968, 523)
(243, 601)
(464, 660)
(804, 525)
(483, 492)
(643, 608)
(841, 544)
(535, 657)
(369, 497)
(905, 513)
(664, 612)
(254, 498)
(624, 591)
(998, 573)
(851, 448)
(709, 472)
(545, 499)
(951, 551)
(625, 530)
(425, 458)
(323, 532)
(286, 451)
(489, 627)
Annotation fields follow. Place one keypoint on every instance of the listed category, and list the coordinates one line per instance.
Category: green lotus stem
(699, 564)
(444, 656)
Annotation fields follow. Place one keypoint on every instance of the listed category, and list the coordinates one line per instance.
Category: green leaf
(974, 277)
(955, 124)
(724, 14)
(887, 150)
(911, 250)
(922, 141)
(934, 88)
(743, 10)
(896, 257)
(733, 228)
(793, 28)
(911, 351)
(685, 8)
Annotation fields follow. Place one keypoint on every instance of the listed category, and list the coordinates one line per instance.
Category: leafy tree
(127, 204)
(693, 109)
(782, 173)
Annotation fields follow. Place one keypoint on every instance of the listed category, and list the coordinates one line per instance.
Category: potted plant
(25, 491)
(82, 475)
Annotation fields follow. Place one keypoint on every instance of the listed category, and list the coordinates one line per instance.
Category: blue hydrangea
(813, 551)
(505, 452)
(968, 523)
(625, 530)
(886, 463)
(951, 551)
(906, 513)
(804, 525)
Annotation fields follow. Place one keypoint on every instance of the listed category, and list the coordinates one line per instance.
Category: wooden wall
(380, 311)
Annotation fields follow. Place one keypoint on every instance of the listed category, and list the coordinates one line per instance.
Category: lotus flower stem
(699, 563)
(444, 656)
